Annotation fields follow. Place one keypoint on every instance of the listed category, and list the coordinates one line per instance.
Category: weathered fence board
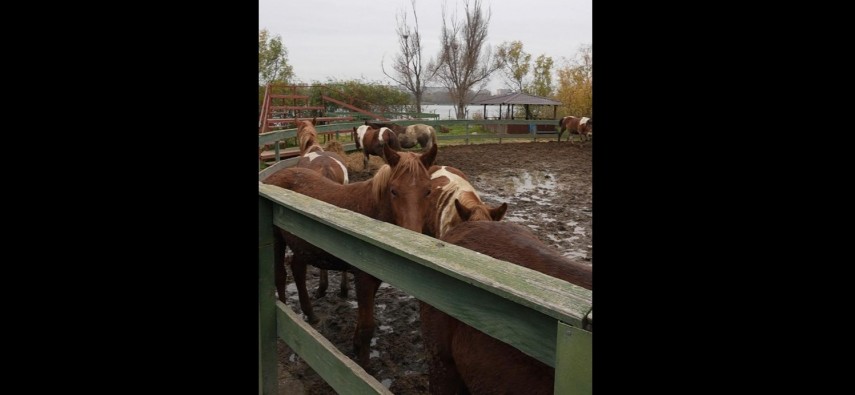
(522, 312)
(267, 369)
(573, 370)
(339, 371)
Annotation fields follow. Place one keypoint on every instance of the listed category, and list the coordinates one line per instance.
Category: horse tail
(432, 136)
(392, 140)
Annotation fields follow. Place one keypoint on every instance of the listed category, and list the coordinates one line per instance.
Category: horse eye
(394, 192)
(427, 193)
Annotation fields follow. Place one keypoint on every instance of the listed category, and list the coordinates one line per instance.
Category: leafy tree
(516, 63)
(542, 82)
(575, 84)
(273, 64)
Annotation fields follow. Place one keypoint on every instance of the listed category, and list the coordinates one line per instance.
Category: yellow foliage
(575, 86)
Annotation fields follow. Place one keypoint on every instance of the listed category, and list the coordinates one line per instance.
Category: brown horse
(408, 136)
(372, 140)
(582, 126)
(329, 164)
(462, 359)
(454, 200)
(399, 193)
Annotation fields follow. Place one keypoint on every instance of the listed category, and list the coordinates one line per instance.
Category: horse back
(461, 354)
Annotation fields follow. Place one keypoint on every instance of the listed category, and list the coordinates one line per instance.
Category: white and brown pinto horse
(464, 360)
(372, 140)
(454, 200)
(329, 164)
(582, 126)
(312, 156)
(409, 136)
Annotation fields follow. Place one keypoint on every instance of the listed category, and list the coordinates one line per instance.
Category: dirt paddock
(547, 186)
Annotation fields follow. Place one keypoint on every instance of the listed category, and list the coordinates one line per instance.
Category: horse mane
(380, 180)
(457, 188)
(307, 135)
(470, 200)
(409, 163)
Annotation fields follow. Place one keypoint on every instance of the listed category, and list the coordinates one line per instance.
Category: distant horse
(330, 165)
(582, 126)
(399, 193)
(372, 140)
(312, 156)
(454, 200)
(408, 136)
(462, 359)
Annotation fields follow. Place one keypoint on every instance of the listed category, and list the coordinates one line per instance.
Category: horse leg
(437, 329)
(343, 292)
(298, 269)
(366, 289)
(322, 285)
(280, 276)
(364, 161)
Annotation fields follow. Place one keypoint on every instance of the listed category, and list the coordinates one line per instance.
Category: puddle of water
(575, 254)
(529, 181)
(547, 218)
(539, 187)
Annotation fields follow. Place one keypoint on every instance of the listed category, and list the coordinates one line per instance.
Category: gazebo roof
(518, 98)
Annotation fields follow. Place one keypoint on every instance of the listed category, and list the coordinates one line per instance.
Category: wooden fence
(547, 318)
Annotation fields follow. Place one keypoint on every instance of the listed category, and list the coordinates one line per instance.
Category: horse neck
(361, 197)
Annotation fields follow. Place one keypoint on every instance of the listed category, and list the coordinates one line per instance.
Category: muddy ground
(547, 186)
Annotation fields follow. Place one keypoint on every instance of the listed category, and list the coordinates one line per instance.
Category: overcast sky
(349, 39)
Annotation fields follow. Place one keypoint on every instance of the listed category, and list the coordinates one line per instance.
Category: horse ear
(429, 157)
(313, 121)
(392, 156)
(462, 210)
(499, 212)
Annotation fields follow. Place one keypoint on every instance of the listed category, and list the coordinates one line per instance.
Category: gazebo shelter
(513, 99)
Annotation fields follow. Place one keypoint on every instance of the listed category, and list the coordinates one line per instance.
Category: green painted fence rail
(281, 135)
(542, 316)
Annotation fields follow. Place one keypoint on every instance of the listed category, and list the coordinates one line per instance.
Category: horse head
(480, 212)
(409, 186)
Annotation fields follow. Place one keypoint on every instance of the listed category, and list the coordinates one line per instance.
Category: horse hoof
(343, 294)
(312, 320)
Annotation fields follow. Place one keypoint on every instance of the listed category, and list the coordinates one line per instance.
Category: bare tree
(407, 65)
(465, 60)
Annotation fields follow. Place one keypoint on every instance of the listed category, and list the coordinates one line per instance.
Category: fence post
(573, 360)
(267, 369)
(467, 133)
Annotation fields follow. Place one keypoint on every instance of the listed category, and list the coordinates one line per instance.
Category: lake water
(448, 111)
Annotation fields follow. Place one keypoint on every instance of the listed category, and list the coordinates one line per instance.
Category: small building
(511, 100)
(514, 99)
